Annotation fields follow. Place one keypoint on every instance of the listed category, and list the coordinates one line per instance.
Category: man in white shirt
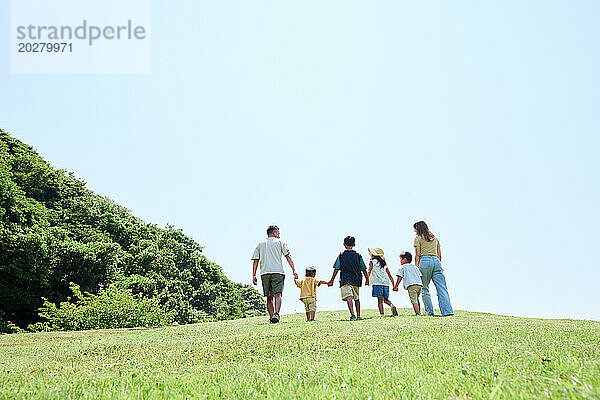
(268, 255)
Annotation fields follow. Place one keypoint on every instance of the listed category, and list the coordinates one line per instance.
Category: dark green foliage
(54, 231)
(8, 326)
(254, 303)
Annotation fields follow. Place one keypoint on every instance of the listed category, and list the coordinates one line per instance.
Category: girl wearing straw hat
(380, 278)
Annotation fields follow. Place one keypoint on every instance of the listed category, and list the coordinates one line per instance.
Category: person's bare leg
(350, 305)
(394, 309)
(380, 305)
(357, 305)
(270, 306)
(417, 308)
(308, 315)
(277, 303)
(312, 315)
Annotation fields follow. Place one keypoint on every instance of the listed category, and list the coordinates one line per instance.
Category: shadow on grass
(357, 320)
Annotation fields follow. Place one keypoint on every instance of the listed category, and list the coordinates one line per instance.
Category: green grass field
(470, 355)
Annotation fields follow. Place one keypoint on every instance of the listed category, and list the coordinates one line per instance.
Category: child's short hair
(310, 271)
(349, 241)
(407, 256)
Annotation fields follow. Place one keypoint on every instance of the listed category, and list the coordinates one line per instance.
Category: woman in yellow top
(428, 260)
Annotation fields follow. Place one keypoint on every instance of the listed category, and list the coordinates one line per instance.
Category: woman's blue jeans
(431, 270)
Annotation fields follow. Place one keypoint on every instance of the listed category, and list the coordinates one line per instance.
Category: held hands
(395, 289)
(330, 283)
(366, 282)
(254, 281)
(295, 276)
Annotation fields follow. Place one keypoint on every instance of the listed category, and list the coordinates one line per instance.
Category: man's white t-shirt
(410, 275)
(269, 253)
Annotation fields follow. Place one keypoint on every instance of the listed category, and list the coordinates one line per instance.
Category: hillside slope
(54, 231)
(471, 355)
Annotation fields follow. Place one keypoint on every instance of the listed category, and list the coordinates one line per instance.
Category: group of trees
(54, 233)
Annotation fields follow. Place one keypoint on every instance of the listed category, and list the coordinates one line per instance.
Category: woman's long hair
(381, 261)
(423, 231)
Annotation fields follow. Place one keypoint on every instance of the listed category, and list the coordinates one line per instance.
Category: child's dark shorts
(381, 291)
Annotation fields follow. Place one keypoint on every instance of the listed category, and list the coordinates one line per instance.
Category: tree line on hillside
(59, 240)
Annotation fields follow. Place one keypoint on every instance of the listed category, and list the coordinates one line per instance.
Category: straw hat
(376, 251)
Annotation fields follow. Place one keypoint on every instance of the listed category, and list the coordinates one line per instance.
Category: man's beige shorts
(310, 303)
(413, 293)
(349, 290)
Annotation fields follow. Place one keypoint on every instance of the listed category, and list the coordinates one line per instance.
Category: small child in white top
(380, 278)
(412, 280)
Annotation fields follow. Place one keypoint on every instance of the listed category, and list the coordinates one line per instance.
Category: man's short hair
(407, 256)
(310, 271)
(349, 241)
(271, 229)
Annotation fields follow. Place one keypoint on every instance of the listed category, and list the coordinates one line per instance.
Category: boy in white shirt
(412, 280)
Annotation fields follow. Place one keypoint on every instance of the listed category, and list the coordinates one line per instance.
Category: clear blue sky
(346, 117)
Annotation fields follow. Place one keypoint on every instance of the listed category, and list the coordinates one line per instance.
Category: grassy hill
(471, 355)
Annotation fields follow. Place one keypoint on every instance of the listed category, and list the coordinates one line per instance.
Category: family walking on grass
(351, 267)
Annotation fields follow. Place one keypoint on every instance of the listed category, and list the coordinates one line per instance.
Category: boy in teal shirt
(350, 264)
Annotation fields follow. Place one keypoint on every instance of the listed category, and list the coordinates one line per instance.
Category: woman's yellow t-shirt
(427, 248)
